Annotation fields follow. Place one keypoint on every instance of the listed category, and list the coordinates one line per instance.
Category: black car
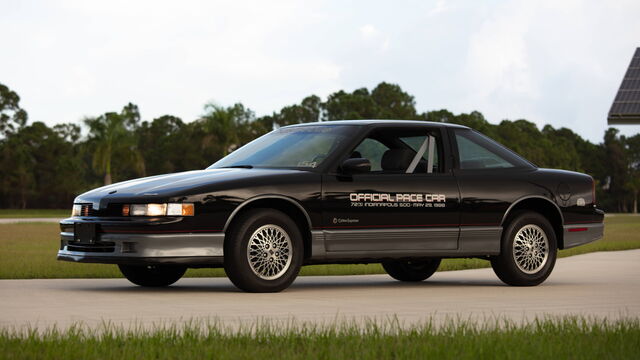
(402, 193)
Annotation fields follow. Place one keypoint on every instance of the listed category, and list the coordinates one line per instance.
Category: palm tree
(225, 125)
(114, 139)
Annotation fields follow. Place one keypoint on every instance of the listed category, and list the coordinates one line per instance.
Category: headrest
(397, 159)
(355, 155)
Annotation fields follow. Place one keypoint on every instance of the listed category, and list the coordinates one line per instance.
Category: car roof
(374, 122)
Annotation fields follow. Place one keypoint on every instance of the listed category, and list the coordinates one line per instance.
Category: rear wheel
(263, 252)
(405, 270)
(528, 250)
(152, 275)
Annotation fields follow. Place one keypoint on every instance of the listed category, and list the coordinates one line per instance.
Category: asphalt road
(598, 285)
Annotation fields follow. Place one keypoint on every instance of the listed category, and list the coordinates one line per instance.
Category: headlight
(179, 209)
(76, 210)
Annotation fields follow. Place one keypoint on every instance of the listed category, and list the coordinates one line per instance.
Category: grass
(28, 251)
(565, 338)
(34, 213)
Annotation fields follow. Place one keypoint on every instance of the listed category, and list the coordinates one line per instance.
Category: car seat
(396, 160)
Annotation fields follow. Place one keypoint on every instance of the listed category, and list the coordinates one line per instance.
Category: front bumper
(191, 249)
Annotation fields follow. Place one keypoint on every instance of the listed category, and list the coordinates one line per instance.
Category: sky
(549, 61)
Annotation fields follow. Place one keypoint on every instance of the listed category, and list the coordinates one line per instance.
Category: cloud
(557, 62)
(549, 62)
(498, 68)
(368, 31)
(438, 8)
(375, 38)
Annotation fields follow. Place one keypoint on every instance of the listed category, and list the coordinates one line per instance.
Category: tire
(530, 235)
(152, 275)
(264, 251)
(411, 270)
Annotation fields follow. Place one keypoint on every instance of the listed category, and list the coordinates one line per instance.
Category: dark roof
(626, 106)
(382, 122)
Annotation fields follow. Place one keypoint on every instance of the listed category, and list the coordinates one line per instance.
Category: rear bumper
(204, 249)
(580, 234)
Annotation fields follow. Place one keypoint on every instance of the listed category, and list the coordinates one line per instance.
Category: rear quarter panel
(487, 195)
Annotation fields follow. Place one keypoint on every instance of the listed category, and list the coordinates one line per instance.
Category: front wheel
(528, 250)
(411, 270)
(152, 275)
(263, 252)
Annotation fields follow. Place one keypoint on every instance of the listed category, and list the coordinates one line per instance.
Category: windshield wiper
(238, 167)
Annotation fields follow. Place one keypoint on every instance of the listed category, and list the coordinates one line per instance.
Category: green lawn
(564, 338)
(28, 251)
(34, 213)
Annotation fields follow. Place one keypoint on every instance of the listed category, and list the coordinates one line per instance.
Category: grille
(87, 210)
(102, 247)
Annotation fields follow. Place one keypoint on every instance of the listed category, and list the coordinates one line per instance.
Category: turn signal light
(188, 210)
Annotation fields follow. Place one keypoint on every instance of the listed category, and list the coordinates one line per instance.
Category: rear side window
(477, 151)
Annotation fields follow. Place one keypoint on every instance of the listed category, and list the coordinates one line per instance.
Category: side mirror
(356, 166)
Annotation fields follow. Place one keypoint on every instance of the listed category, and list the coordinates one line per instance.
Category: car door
(408, 202)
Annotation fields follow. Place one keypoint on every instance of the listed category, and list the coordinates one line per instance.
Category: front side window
(416, 142)
(372, 150)
(293, 147)
(401, 151)
(476, 151)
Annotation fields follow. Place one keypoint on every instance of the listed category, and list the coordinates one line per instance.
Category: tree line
(46, 167)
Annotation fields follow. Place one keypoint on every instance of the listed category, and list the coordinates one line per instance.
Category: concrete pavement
(29, 220)
(598, 285)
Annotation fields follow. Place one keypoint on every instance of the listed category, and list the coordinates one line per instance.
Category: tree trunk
(107, 172)
(23, 198)
(635, 202)
(23, 192)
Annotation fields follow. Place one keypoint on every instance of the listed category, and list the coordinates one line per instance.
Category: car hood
(177, 184)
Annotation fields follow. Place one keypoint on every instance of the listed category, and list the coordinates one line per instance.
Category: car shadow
(303, 284)
(391, 284)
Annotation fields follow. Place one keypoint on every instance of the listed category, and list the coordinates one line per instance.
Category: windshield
(292, 147)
